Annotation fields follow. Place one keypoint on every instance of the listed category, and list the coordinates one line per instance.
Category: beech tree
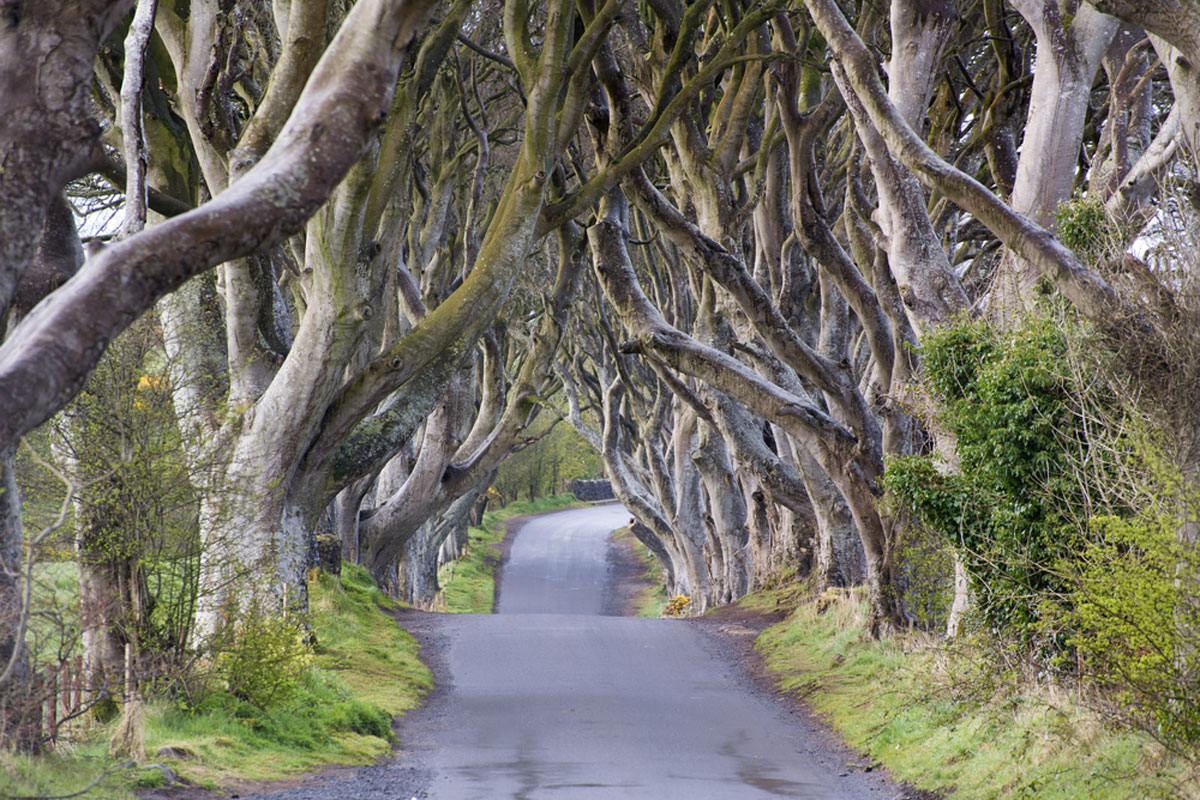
(823, 199)
(312, 122)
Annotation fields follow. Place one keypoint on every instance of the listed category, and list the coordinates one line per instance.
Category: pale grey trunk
(729, 572)
(421, 556)
(1183, 67)
(400, 515)
(928, 288)
(345, 515)
(391, 478)
(254, 554)
(1174, 30)
(651, 526)
(930, 291)
(687, 523)
(837, 560)
(1068, 57)
(962, 598)
(1126, 133)
(417, 582)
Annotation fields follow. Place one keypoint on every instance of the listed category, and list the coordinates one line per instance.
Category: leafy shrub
(1134, 611)
(926, 563)
(678, 605)
(1016, 509)
(262, 658)
(1083, 226)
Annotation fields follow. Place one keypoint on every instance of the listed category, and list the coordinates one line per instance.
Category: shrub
(262, 659)
(1016, 509)
(678, 605)
(1134, 611)
(926, 563)
(1083, 226)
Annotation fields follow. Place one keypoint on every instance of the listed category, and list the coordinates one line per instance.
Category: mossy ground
(365, 670)
(947, 721)
(469, 583)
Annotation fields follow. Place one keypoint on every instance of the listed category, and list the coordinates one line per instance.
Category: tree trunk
(1068, 57)
(254, 557)
(418, 567)
(14, 669)
(421, 556)
(729, 536)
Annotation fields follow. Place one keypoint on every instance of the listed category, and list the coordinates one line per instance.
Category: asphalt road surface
(557, 562)
(550, 699)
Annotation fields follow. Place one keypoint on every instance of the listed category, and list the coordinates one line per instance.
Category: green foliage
(1134, 610)
(359, 589)
(945, 721)
(1083, 575)
(135, 524)
(361, 672)
(262, 658)
(1082, 225)
(64, 773)
(359, 642)
(149, 779)
(954, 356)
(333, 701)
(1015, 510)
(926, 561)
(548, 465)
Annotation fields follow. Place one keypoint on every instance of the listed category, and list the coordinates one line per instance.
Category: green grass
(374, 656)
(364, 670)
(944, 721)
(469, 583)
(652, 600)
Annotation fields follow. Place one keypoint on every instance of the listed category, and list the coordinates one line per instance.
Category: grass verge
(364, 670)
(469, 583)
(945, 721)
(652, 600)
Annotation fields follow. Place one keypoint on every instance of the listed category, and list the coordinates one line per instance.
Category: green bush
(1083, 226)
(926, 562)
(1016, 509)
(1134, 611)
(262, 659)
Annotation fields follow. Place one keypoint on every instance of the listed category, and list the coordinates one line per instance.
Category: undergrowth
(469, 582)
(944, 719)
(364, 670)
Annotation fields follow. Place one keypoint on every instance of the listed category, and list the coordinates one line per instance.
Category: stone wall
(592, 490)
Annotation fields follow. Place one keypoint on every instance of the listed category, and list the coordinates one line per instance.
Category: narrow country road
(550, 699)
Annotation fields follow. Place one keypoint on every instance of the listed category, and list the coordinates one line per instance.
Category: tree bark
(1068, 57)
(47, 136)
(14, 667)
(47, 356)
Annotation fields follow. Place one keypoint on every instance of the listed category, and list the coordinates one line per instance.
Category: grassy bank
(653, 598)
(469, 583)
(947, 721)
(363, 670)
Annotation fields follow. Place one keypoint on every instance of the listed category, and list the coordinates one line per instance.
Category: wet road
(549, 700)
(557, 562)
